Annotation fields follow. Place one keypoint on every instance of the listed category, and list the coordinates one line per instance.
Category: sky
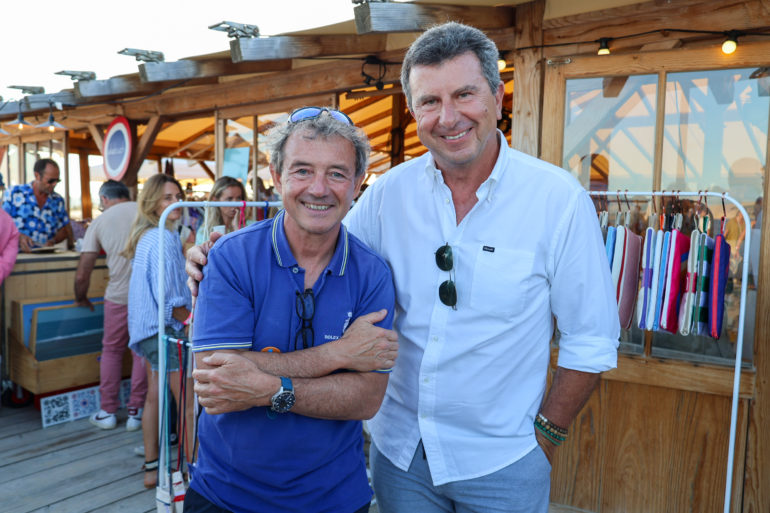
(39, 38)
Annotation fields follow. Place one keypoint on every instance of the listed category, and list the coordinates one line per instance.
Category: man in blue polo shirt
(286, 294)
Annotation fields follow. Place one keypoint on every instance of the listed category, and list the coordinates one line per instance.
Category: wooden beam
(528, 79)
(275, 106)
(97, 135)
(189, 141)
(294, 47)
(716, 15)
(130, 85)
(187, 69)
(145, 143)
(85, 189)
(206, 169)
(220, 142)
(408, 17)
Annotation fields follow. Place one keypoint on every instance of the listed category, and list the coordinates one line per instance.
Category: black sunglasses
(305, 306)
(306, 113)
(447, 292)
(52, 181)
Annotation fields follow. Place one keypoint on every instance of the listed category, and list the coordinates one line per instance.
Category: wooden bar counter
(48, 343)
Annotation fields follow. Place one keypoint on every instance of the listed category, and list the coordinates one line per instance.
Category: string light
(604, 46)
(731, 43)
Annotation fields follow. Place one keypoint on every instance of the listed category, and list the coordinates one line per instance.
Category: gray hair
(112, 189)
(444, 42)
(324, 126)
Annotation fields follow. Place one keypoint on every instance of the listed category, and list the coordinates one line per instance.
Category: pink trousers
(114, 344)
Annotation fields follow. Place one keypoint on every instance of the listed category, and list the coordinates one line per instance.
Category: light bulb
(729, 46)
(501, 64)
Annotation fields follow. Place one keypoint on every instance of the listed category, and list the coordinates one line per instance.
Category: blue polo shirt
(257, 460)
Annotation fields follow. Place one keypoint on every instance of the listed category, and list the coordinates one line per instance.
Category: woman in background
(159, 192)
(226, 188)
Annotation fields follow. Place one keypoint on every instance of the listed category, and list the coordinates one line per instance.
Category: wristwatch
(283, 400)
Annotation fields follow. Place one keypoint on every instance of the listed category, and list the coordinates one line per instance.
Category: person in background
(109, 232)
(158, 192)
(9, 244)
(487, 246)
(39, 212)
(223, 219)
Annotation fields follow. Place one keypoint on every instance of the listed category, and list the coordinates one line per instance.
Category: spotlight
(604, 46)
(51, 124)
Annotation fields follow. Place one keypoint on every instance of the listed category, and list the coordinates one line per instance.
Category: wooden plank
(220, 136)
(101, 498)
(114, 87)
(681, 375)
(294, 47)
(188, 69)
(407, 17)
(716, 15)
(275, 106)
(527, 79)
(681, 59)
(398, 113)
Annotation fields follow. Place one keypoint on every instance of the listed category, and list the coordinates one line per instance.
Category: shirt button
(435, 339)
(426, 380)
(446, 201)
(294, 270)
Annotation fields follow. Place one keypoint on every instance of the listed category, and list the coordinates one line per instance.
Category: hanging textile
(645, 292)
(704, 272)
(690, 284)
(675, 276)
(720, 266)
(625, 272)
(657, 262)
(664, 259)
(609, 244)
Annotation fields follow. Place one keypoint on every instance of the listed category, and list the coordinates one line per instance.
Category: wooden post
(528, 78)
(397, 115)
(220, 140)
(66, 152)
(85, 180)
(756, 485)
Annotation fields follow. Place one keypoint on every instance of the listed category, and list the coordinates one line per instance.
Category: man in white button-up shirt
(487, 246)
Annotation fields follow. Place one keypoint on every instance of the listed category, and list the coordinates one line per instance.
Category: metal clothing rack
(163, 490)
(741, 316)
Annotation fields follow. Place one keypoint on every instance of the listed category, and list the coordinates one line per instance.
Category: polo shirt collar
(285, 258)
(487, 188)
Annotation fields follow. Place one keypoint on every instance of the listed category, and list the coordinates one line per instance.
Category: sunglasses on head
(447, 292)
(306, 113)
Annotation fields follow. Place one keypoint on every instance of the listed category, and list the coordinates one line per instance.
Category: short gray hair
(444, 42)
(325, 126)
(112, 189)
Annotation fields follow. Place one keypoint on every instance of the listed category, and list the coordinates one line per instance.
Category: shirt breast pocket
(501, 281)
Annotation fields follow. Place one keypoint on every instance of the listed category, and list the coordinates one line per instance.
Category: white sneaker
(134, 421)
(139, 450)
(103, 420)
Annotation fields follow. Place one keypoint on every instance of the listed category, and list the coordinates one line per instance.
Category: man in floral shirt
(39, 213)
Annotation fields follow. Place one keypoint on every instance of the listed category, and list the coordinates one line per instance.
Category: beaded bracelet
(554, 433)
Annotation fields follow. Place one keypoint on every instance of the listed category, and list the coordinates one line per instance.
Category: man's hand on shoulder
(228, 382)
(197, 257)
(365, 347)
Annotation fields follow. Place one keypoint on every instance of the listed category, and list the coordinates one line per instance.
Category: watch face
(283, 401)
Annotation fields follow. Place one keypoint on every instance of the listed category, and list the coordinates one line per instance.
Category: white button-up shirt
(468, 382)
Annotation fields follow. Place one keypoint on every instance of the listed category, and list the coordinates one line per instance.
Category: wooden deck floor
(76, 468)
(69, 468)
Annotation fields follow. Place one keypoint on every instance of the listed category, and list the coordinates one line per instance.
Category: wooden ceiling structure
(181, 109)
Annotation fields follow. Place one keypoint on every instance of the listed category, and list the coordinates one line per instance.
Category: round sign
(117, 148)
